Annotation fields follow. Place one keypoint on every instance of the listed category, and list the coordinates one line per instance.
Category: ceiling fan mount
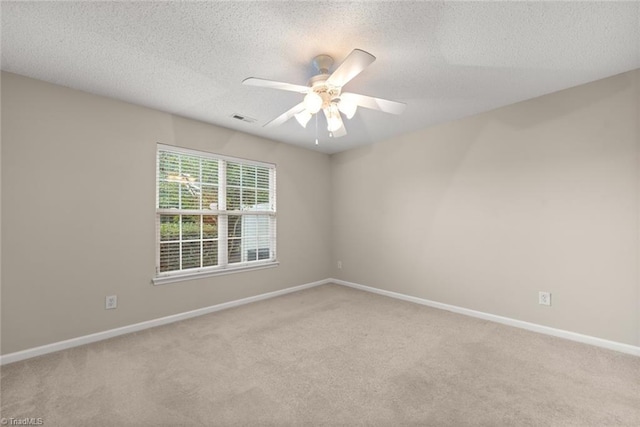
(324, 92)
(323, 63)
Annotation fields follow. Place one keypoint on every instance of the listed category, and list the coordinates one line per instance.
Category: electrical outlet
(339, 265)
(111, 302)
(544, 298)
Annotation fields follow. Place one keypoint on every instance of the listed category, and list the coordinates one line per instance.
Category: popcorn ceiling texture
(445, 60)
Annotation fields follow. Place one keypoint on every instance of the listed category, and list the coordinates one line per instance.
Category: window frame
(222, 215)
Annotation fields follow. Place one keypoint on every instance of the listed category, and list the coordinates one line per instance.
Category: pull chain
(316, 129)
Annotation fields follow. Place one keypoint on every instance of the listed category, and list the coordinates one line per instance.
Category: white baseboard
(586, 339)
(99, 336)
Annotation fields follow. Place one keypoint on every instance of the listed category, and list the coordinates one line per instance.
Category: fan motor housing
(327, 92)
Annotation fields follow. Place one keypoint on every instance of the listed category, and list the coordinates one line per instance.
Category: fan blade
(254, 81)
(285, 116)
(379, 104)
(353, 65)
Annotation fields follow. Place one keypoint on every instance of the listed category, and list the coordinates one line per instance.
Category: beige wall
(78, 195)
(486, 211)
(481, 213)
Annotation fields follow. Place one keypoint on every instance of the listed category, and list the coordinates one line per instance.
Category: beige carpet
(328, 356)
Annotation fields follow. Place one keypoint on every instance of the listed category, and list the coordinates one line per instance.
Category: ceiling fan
(324, 92)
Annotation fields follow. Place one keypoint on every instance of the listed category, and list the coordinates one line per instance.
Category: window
(214, 214)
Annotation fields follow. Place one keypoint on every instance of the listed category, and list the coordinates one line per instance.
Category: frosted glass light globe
(312, 102)
(334, 122)
(347, 106)
(303, 118)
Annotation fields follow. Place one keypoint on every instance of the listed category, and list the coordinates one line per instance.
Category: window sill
(179, 277)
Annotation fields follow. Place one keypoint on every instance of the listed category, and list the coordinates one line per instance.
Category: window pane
(233, 199)
(263, 178)
(234, 249)
(209, 197)
(190, 227)
(262, 253)
(248, 198)
(265, 234)
(169, 227)
(209, 171)
(209, 253)
(168, 164)
(190, 168)
(263, 199)
(248, 176)
(250, 237)
(169, 256)
(168, 195)
(233, 174)
(209, 226)
(256, 236)
(190, 255)
(234, 227)
(190, 198)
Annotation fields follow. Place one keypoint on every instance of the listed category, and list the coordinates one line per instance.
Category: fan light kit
(324, 92)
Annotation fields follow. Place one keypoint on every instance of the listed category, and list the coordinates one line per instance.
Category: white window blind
(214, 214)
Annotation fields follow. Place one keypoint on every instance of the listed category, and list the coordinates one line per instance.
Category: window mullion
(200, 181)
(159, 244)
(180, 239)
(223, 221)
(158, 239)
(180, 216)
(272, 193)
(272, 207)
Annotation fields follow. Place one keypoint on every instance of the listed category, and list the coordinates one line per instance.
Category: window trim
(161, 278)
(180, 277)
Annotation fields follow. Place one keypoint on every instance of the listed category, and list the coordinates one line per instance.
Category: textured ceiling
(446, 60)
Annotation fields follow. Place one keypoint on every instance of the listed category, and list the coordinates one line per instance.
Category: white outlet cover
(111, 302)
(544, 298)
